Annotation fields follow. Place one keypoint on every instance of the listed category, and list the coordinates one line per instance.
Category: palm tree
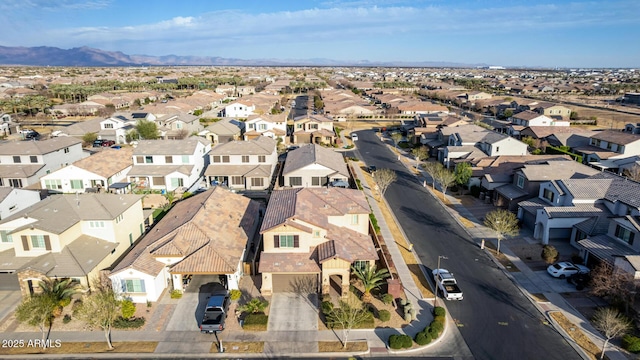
(61, 290)
(371, 279)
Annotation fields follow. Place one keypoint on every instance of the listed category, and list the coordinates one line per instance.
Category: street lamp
(435, 278)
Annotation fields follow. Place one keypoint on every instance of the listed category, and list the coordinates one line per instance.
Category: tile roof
(238, 170)
(56, 213)
(38, 147)
(606, 248)
(289, 262)
(580, 210)
(262, 145)
(210, 230)
(511, 191)
(617, 137)
(557, 170)
(595, 225)
(314, 154)
(225, 127)
(19, 171)
(107, 162)
(169, 147)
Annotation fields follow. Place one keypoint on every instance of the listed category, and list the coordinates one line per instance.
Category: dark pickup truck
(215, 313)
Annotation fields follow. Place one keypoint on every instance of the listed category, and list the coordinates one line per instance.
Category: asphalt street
(495, 318)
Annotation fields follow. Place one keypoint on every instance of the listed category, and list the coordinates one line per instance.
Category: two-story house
(22, 163)
(606, 146)
(68, 236)
(273, 126)
(169, 164)
(312, 165)
(553, 111)
(243, 165)
(14, 200)
(117, 126)
(312, 237)
(224, 131)
(207, 234)
(178, 126)
(95, 172)
(529, 118)
(313, 129)
(239, 109)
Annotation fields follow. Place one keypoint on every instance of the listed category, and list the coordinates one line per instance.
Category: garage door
(297, 283)
(560, 233)
(9, 281)
(529, 220)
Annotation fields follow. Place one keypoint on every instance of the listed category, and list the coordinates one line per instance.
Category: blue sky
(499, 32)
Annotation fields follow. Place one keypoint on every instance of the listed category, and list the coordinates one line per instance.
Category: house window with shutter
(286, 241)
(40, 242)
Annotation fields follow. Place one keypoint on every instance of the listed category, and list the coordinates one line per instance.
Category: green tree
(611, 323)
(573, 115)
(347, 316)
(147, 130)
(508, 113)
(433, 168)
(101, 308)
(371, 278)
(38, 310)
(463, 173)
(396, 137)
(503, 222)
(445, 178)
(89, 138)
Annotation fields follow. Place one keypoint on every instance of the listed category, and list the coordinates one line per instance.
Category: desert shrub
(133, 323)
(77, 304)
(384, 315)
(387, 299)
(439, 311)
(423, 338)
(326, 307)
(235, 294)
(326, 297)
(255, 306)
(176, 294)
(403, 301)
(549, 254)
(66, 319)
(400, 341)
(128, 308)
(407, 317)
(631, 343)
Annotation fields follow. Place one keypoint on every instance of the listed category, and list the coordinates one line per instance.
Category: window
(580, 235)
(108, 126)
(33, 159)
(76, 184)
(66, 150)
(37, 242)
(119, 218)
(185, 159)
(245, 158)
(176, 182)
(133, 286)
(520, 181)
(299, 126)
(316, 233)
(96, 224)
(148, 159)
(609, 145)
(313, 126)
(16, 160)
(295, 181)
(354, 219)
(548, 194)
(168, 159)
(178, 125)
(53, 184)
(262, 158)
(360, 264)
(257, 182)
(624, 234)
(6, 238)
(315, 181)
(237, 180)
(216, 158)
(286, 241)
(16, 183)
(262, 127)
(252, 126)
(130, 239)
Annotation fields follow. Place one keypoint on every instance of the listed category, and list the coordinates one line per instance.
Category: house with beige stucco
(311, 239)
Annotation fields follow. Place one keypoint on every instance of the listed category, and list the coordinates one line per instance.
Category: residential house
(239, 109)
(22, 163)
(608, 145)
(178, 126)
(273, 126)
(421, 107)
(312, 237)
(553, 111)
(169, 164)
(68, 236)
(529, 118)
(118, 125)
(207, 234)
(312, 165)
(224, 131)
(243, 165)
(313, 129)
(13, 200)
(632, 128)
(93, 173)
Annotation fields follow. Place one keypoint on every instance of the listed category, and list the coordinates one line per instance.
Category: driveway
(293, 312)
(190, 309)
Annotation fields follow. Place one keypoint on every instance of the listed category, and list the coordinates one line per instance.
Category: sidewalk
(556, 302)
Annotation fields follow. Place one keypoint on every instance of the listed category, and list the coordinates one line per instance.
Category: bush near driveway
(255, 322)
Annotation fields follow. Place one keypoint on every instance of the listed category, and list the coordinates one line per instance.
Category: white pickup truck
(447, 284)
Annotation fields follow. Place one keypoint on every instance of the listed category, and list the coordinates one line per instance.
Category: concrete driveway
(293, 312)
(190, 309)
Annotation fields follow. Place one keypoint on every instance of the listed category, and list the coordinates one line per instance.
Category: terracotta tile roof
(347, 244)
(107, 162)
(289, 262)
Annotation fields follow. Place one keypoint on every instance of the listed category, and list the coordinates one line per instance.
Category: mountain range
(86, 56)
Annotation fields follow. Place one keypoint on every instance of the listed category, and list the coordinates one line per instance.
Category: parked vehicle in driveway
(447, 284)
(215, 313)
(565, 268)
(580, 280)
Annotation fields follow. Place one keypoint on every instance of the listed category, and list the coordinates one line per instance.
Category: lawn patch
(336, 346)
(256, 322)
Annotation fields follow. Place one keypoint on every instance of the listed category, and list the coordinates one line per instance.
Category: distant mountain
(86, 56)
